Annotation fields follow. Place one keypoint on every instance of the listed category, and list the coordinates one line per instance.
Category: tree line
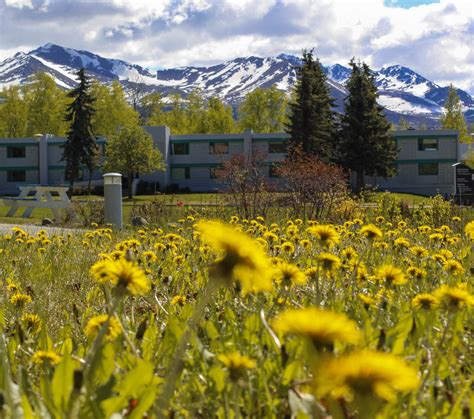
(41, 106)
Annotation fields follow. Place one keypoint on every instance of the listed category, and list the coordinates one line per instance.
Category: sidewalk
(32, 229)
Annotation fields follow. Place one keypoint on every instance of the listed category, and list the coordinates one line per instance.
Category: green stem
(176, 365)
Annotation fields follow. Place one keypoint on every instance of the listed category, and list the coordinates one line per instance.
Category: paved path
(33, 229)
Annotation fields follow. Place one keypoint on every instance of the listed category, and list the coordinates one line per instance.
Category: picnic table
(43, 196)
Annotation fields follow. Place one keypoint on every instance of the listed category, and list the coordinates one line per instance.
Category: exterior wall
(410, 157)
(42, 159)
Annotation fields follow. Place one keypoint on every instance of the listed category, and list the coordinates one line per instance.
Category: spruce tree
(453, 117)
(365, 144)
(311, 118)
(80, 147)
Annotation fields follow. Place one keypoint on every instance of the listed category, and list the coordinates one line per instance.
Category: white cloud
(435, 39)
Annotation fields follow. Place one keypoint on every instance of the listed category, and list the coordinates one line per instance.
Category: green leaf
(104, 363)
(218, 375)
(62, 383)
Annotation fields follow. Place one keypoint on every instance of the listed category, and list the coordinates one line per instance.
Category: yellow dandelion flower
(349, 253)
(326, 235)
(367, 300)
(95, 323)
(329, 262)
(371, 232)
(305, 244)
(456, 219)
(311, 273)
(425, 301)
(240, 257)
(438, 257)
(419, 251)
(127, 276)
(149, 256)
(31, 322)
(379, 219)
(436, 237)
(288, 247)
(20, 300)
(366, 374)
(99, 272)
(322, 327)
(469, 230)
(454, 297)
(288, 275)
(453, 267)
(179, 300)
(237, 364)
(390, 275)
(45, 358)
(416, 273)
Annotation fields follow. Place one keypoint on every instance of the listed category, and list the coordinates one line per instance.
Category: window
(16, 152)
(16, 176)
(427, 169)
(180, 173)
(219, 148)
(427, 144)
(277, 147)
(180, 148)
(273, 170)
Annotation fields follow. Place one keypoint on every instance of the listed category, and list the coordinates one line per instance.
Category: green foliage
(111, 109)
(311, 120)
(131, 151)
(263, 110)
(46, 104)
(80, 147)
(453, 117)
(192, 115)
(365, 144)
(13, 113)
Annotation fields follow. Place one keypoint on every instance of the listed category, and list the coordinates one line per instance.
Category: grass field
(369, 317)
(194, 199)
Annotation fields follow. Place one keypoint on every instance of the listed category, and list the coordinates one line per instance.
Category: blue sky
(406, 4)
(434, 38)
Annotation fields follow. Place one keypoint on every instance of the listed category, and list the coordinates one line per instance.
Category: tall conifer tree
(365, 144)
(311, 117)
(80, 147)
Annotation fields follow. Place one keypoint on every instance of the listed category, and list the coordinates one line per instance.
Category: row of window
(184, 173)
(223, 148)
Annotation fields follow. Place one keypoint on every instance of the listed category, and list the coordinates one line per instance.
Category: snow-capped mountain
(401, 90)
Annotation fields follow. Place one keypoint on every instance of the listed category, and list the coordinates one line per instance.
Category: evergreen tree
(365, 143)
(80, 147)
(311, 118)
(453, 117)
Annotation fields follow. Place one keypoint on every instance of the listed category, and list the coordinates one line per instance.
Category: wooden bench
(42, 198)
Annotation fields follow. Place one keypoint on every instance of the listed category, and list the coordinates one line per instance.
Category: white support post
(113, 199)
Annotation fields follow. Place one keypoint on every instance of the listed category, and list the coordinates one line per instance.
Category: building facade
(424, 163)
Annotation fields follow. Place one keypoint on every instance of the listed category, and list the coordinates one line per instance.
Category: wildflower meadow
(367, 317)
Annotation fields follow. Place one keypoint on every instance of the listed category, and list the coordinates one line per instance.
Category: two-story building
(424, 163)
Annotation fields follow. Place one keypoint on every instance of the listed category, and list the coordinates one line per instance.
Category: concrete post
(43, 159)
(113, 199)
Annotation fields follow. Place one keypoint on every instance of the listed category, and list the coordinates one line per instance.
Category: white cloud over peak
(433, 39)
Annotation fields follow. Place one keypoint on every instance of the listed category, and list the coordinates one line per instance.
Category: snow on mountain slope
(401, 90)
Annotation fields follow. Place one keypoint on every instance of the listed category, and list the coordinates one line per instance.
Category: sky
(433, 37)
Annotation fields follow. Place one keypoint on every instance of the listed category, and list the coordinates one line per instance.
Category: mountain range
(402, 91)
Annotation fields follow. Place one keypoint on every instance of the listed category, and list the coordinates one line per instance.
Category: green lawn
(192, 198)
